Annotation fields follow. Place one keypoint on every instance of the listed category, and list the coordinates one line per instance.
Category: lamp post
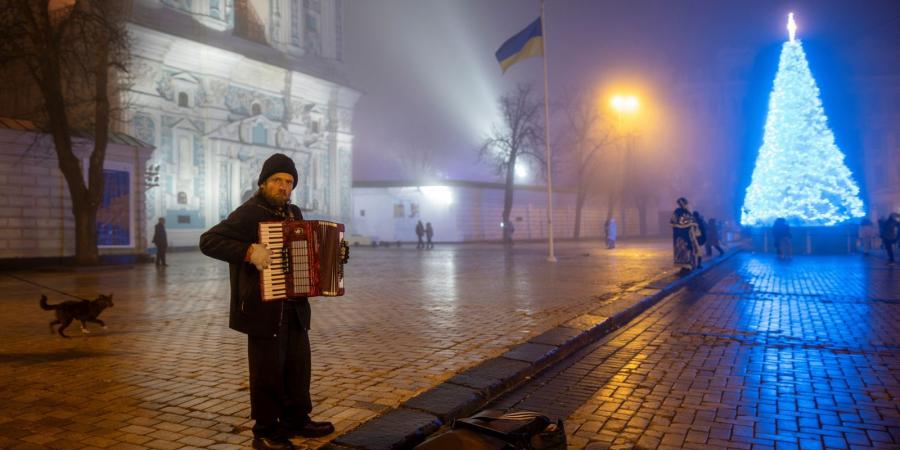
(626, 107)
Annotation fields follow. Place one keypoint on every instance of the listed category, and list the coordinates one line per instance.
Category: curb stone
(467, 392)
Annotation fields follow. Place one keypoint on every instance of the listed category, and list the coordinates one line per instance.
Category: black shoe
(310, 429)
(272, 443)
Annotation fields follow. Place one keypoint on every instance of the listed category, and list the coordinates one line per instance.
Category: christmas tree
(800, 173)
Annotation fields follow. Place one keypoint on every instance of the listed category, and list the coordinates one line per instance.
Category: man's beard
(276, 199)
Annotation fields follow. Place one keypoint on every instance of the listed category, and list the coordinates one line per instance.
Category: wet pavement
(169, 374)
(754, 354)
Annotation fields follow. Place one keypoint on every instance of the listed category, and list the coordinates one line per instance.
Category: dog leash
(45, 287)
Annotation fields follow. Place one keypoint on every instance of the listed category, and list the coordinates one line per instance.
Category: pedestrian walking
(700, 230)
(684, 236)
(610, 231)
(161, 242)
(781, 233)
(889, 232)
(429, 233)
(277, 332)
(420, 232)
(713, 238)
(866, 235)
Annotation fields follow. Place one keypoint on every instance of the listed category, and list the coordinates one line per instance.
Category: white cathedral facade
(221, 85)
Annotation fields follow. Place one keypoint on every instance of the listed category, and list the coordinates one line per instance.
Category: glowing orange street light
(625, 104)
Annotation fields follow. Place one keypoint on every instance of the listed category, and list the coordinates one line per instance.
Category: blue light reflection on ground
(810, 332)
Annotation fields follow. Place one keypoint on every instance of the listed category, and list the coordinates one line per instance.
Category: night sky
(429, 78)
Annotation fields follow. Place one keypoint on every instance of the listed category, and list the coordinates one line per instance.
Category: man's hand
(260, 256)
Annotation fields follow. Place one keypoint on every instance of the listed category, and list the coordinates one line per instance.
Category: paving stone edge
(472, 389)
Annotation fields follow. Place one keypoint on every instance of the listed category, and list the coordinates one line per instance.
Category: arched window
(182, 198)
(255, 110)
(183, 100)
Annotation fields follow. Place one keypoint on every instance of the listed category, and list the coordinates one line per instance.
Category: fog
(430, 81)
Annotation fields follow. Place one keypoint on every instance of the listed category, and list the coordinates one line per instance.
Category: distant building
(876, 86)
(35, 206)
(221, 86)
(466, 211)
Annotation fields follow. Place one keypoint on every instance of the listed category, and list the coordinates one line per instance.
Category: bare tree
(74, 52)
(519, 136)
(587, 133)
(643, 179)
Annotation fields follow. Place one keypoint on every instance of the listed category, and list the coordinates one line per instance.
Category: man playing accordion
(280, 401)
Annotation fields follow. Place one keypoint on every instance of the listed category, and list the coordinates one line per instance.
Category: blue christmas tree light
(800, 172)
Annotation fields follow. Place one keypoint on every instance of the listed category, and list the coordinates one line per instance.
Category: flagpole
(550, 257)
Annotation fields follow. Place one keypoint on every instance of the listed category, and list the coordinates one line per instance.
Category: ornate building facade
(221, 85)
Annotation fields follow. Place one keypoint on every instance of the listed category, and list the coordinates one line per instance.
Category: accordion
(308, 258)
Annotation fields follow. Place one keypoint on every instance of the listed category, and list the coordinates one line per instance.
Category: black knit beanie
(276, 163)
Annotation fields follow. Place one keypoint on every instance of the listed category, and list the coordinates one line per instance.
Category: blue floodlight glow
(800, 172)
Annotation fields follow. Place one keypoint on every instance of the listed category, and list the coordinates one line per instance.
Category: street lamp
(625, 105)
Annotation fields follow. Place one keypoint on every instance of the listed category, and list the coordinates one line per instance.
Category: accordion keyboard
(272, 278)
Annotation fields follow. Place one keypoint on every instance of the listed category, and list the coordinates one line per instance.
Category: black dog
(82, 310)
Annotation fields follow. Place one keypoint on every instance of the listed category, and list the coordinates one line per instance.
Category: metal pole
(550, 257)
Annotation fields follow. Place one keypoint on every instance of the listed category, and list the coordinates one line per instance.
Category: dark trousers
(421, 243)
(709, 248)
(161, 256)
(280, 373)
(889, 246)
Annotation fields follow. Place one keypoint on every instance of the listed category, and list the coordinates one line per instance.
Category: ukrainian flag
(527, 43)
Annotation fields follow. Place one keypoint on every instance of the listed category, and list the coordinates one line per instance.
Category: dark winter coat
(712, 233)
(781, 229)
(701, 226)
(888, 229)
(159, 236)
(229, 241)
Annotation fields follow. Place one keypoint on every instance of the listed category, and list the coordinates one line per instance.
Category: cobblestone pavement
(169, 374)
(754, 354)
